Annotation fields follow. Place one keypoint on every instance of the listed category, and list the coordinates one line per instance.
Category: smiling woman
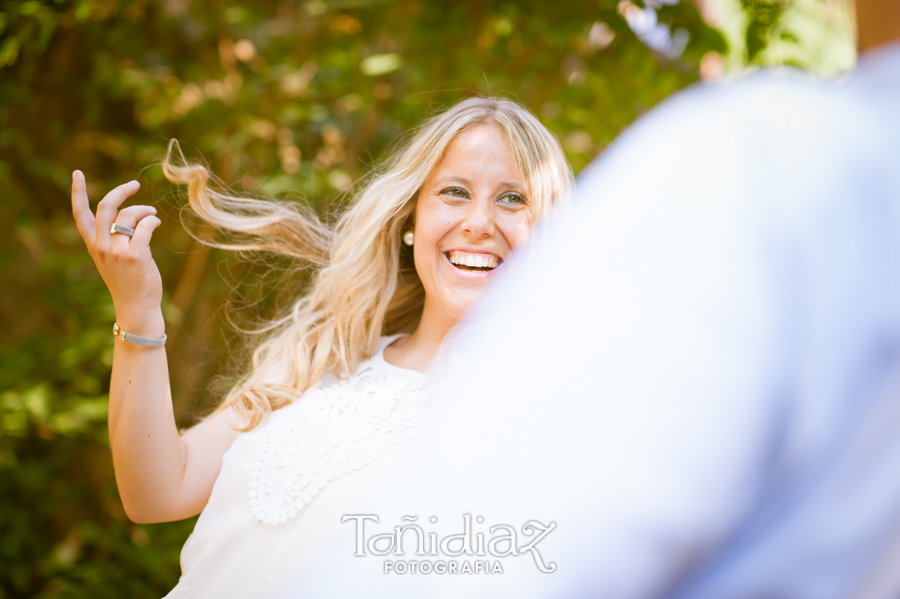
(339, 378)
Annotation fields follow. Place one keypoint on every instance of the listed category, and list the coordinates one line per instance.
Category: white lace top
(285, 485)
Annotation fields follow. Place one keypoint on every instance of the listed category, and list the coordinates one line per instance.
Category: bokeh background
(288, 99)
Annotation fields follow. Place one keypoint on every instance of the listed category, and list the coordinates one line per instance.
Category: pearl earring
(408, 238)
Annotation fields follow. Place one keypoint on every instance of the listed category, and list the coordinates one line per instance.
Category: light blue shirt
(694, 374)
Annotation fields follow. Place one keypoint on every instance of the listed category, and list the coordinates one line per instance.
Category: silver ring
(120, 229)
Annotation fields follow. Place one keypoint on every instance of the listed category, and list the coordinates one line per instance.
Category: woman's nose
(479, 219)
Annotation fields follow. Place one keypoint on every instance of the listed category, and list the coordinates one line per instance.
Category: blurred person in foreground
(689, 387)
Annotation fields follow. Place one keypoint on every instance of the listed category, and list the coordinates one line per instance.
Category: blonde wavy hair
(365, 284)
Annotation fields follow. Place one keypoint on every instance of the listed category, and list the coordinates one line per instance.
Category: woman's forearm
(148, 453)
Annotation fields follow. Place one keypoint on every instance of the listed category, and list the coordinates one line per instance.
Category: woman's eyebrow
(509, 185)
(454, 179)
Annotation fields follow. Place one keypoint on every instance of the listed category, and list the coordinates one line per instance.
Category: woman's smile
(473, 264)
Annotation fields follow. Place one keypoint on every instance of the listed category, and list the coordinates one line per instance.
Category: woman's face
(470, 213)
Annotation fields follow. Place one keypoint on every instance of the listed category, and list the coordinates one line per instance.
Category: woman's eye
(513, 198)
(455, 192)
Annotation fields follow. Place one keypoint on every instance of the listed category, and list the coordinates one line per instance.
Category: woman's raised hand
(124, 262)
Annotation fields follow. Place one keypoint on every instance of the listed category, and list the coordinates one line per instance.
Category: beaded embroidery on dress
(330, 432)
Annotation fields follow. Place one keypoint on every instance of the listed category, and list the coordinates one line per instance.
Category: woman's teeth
(473, 261)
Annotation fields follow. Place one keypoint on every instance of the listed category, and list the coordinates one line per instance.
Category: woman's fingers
(129, 217)
(109, 206)
(81, 207)
(142, 233)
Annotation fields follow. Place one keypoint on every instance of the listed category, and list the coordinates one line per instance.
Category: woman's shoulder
(378, 361)
(329, 379)
(374, 369)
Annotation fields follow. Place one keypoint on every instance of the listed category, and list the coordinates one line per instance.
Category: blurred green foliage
(280, 98)
(763, 16)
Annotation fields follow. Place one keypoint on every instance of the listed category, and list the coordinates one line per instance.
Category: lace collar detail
(330, 432)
